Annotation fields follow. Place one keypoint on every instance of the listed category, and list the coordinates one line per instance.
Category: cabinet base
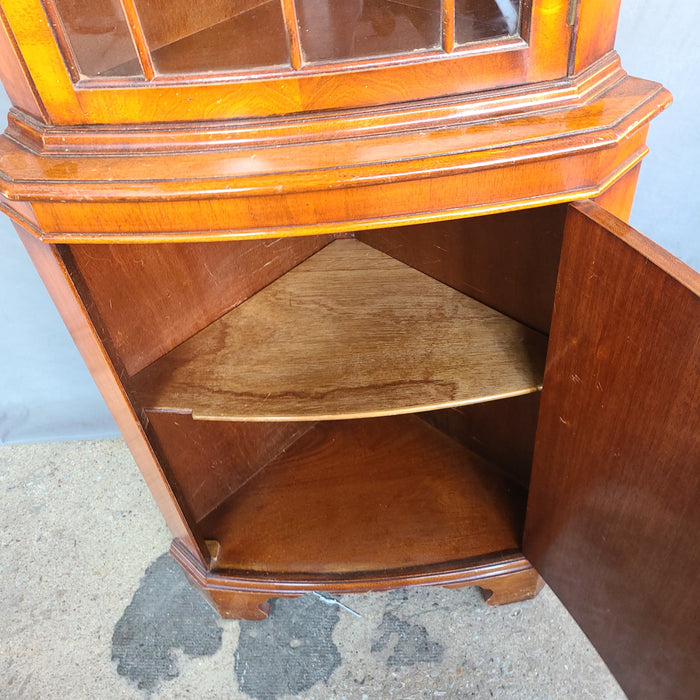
(507, 578)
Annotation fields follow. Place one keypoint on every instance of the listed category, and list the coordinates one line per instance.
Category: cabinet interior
(343, 405)
(179, 37)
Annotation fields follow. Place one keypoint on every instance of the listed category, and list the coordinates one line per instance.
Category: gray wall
(659, 40)
(46, 393)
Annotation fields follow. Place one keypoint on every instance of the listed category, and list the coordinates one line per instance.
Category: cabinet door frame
(543, 55)
(613, 524)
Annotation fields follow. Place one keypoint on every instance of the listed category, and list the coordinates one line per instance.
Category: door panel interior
(613, 521)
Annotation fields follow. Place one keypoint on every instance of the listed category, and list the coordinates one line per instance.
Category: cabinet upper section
(133, 61)
(146, 120)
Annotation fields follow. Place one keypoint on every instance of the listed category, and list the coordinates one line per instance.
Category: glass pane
(480, 20)
(333, 30)
(186, 36)
(99, 37)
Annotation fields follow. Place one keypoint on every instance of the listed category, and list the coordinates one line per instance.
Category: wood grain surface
(501, 431)
(211, 460)
(15, 76)
(399, 495)
(325, 185)
(350, 332)
(595, 28)
(140, 296)
(506, 261)
(57, 280)
(613, 521)
(232, 91)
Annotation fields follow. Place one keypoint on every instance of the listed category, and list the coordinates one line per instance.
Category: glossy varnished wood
(15, 76)
(595, 25)
(52, 84)
(613, 520)
(618, 198)
(564, 93)
(350, 332)
(139, 40)
(615, 101)
(503, 577)
(400, 496)
(370, 81)
(291, 22)
(295, 189)
(510, 588)
(123, 173)
(448, 25)
(64, 295)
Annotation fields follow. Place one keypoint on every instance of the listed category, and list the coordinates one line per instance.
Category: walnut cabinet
(354, 280)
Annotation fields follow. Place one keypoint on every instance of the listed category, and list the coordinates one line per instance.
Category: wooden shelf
(348, 333)
(374, 497)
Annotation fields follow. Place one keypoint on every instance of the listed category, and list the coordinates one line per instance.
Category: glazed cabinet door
(613, 521)
(134, 61)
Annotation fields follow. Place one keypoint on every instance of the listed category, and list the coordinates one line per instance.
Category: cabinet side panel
(15, 77)
(151, 297)
(210, 460)
(507, 261)
(64, 295)
(618, 198)
(595, 32)
(613, 523)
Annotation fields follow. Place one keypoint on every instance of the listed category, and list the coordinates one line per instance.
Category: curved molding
(45, 139)
(449, 574)
(399, 167)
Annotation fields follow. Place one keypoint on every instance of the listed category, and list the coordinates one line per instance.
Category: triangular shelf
(400, 495)
(348, 333)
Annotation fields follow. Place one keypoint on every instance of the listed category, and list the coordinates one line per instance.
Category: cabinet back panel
(502, 432)
(210, 460)
(148, 298)
(507, 261)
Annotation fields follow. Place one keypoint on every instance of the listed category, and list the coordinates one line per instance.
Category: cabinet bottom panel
(504, 578)
(366, 499)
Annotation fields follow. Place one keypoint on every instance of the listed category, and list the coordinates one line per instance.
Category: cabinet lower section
(361, 505)
(339, 415)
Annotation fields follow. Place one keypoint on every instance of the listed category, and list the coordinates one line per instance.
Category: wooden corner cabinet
(354, 282)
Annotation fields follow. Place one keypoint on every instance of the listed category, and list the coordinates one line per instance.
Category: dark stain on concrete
(411, 646)
(164, 615)
(290, 651)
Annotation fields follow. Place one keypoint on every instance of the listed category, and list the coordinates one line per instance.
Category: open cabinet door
(613, 521)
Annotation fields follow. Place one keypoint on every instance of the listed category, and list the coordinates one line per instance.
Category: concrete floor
(91, 607)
